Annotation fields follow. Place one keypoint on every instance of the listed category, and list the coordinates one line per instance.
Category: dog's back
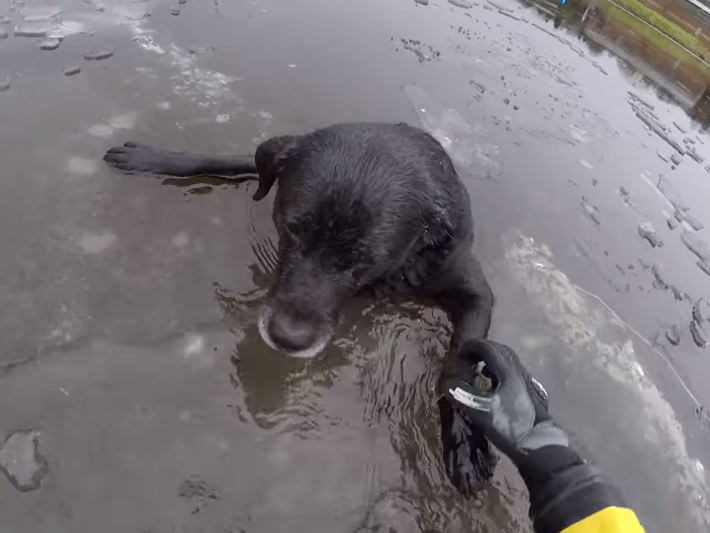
(394, 175)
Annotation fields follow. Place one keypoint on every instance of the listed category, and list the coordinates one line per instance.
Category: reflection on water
(646, 56)
(373, 387)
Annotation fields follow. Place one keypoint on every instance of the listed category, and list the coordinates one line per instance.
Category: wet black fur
(359, 207)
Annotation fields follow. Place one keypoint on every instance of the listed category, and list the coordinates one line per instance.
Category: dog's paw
(468, 459)
(134, 157)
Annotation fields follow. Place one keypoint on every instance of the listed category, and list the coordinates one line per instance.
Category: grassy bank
(666, 26)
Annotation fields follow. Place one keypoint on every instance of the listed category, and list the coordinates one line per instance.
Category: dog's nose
(291, 334)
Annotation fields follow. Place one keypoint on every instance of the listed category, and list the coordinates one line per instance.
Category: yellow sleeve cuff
(609, 520)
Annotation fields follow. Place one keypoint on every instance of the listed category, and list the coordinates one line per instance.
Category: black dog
(359, 207)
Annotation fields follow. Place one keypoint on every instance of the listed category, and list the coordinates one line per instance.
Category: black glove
(488, 390)
(487, 383)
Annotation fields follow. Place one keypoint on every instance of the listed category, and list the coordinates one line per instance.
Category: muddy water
(130, 357)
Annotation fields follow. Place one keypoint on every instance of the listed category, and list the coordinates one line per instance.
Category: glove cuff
(563, 488)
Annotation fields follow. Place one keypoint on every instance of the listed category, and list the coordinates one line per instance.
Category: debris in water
(640, 100)
(600, 68)
(697, 246)
(32, 14)
(705, 267)
(98, 55)
(175, 11)
(34, 29)
(197, 487)
(658, 130)
(514, 17)
(21, 461)
(698, 335)
(647, 231)
(4, 84)
(422, 2)
(461, 3)
(3, 33)
(675, 159)
(202, 49)
(71, 70)
(679, 128)
(672, 224)
(182, 1)
(692, 154)
(662, 285)
(498, 6)
(48, 44)
(5, 19)
(591, 211)
(671, 194)
(707, 168)
(663, 158)
(481, 88)
(673, 335)
(693, 222)
(585, 164)
(697, 315)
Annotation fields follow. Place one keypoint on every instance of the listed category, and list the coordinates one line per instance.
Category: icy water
(135, 393)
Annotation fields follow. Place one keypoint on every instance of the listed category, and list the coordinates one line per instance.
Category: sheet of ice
(696, 245)
(466, 143)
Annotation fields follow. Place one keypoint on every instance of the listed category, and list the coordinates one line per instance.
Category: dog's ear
(270, 157)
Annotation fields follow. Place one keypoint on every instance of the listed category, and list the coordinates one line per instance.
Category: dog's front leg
(463, 292)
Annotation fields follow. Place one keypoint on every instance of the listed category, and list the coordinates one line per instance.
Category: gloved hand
(487, 383)
(489, 391)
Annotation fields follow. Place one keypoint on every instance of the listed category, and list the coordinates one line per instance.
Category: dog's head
(329, 247)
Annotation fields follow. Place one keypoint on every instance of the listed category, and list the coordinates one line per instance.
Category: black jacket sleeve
(567, 495)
